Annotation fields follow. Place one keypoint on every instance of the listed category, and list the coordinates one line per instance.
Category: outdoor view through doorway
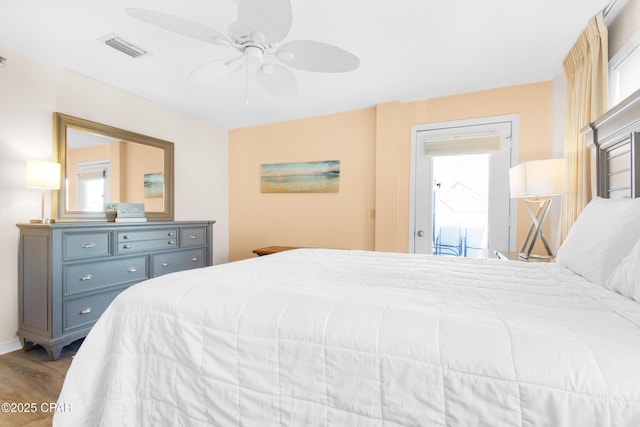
(460, 222)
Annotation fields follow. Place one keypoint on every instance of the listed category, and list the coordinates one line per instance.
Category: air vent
(124, 46)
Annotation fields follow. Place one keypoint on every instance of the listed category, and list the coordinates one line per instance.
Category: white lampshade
(42, 174)
(538, 178)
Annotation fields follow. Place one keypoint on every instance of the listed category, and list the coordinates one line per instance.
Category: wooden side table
(268, 250)
(515, 256)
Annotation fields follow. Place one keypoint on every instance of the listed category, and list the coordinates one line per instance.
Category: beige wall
(31, 92)
(374, 148)
(337, 220)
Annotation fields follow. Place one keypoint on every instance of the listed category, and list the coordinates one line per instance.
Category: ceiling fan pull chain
(246, 68)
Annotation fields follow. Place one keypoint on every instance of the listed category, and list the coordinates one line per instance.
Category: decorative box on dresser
(68, 273)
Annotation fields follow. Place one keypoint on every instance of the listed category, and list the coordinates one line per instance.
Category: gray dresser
(68, 273)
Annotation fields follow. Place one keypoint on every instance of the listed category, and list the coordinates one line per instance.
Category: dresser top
(111, 224)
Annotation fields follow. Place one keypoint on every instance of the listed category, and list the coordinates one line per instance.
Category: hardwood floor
(29, 380)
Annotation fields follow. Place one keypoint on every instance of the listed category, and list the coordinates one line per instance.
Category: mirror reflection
(103, 165)
(102, 170)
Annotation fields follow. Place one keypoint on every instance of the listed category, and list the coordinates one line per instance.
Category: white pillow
(626, 277)
(604, 233)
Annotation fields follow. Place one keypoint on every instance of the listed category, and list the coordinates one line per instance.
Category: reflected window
(92, 189)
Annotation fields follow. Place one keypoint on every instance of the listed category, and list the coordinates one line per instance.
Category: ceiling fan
(257, 35)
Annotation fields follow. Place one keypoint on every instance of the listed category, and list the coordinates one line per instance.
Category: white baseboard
(9, 346)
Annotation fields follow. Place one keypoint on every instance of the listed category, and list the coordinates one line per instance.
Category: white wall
(624, 25)
(30, 92)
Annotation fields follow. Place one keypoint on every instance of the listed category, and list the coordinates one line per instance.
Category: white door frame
(458, 128)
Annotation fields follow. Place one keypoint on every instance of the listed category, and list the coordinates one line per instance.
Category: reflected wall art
(153, 185)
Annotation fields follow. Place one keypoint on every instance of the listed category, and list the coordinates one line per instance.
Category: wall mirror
(102, 164)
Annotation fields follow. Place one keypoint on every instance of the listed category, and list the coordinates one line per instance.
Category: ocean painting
(153, 185)
(300, 177)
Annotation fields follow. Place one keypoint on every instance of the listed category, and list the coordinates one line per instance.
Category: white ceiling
(409, 50)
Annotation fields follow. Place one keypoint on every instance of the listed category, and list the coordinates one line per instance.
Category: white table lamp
(535, 181)
(45, 176)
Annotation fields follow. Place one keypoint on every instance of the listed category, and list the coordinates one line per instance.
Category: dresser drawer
(193, 236)
(146, 245)
(86, 245)
(95, 275)
(82, 312)
(175, 261)
(138, 235)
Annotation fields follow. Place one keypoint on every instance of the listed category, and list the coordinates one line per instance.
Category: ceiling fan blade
(308, 55)
(269, 18)
(277, 80)
(179, 25)
(214, 70)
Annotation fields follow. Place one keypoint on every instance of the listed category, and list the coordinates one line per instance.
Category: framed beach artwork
(153, 185)
(300, 177)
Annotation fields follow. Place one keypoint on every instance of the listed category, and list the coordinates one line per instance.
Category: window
(92, 186)
(624, 71)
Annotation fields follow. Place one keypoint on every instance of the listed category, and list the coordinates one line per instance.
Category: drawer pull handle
(126, 247)
(195, 259)
(85, 311)
(132, 270)
(88, 245)
(165, 264)
(170, 234)
(85, 277)
(171, 242)
(126, 237)
(193, 236)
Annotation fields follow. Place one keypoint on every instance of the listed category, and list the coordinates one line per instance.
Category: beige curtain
(586, 70)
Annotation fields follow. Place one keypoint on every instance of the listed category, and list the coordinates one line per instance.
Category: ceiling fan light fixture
(267, 68)
(253, 51)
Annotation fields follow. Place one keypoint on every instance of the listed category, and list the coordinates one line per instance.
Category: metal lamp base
(535, 230)
(42, 220)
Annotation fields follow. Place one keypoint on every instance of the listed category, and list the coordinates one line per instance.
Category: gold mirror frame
(62, 122)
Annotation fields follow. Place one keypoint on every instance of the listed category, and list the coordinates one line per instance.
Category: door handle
(420, 233)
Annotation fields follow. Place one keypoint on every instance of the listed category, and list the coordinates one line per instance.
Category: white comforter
(350, 338)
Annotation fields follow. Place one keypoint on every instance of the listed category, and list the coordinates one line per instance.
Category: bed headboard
(615, 139)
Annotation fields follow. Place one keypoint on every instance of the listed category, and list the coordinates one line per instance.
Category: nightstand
(515, 256)
(273, 250)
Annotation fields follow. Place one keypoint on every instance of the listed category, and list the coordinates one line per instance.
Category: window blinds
(92, 174)
(468, 144)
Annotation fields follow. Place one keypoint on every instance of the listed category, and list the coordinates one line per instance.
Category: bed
(316, 337)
